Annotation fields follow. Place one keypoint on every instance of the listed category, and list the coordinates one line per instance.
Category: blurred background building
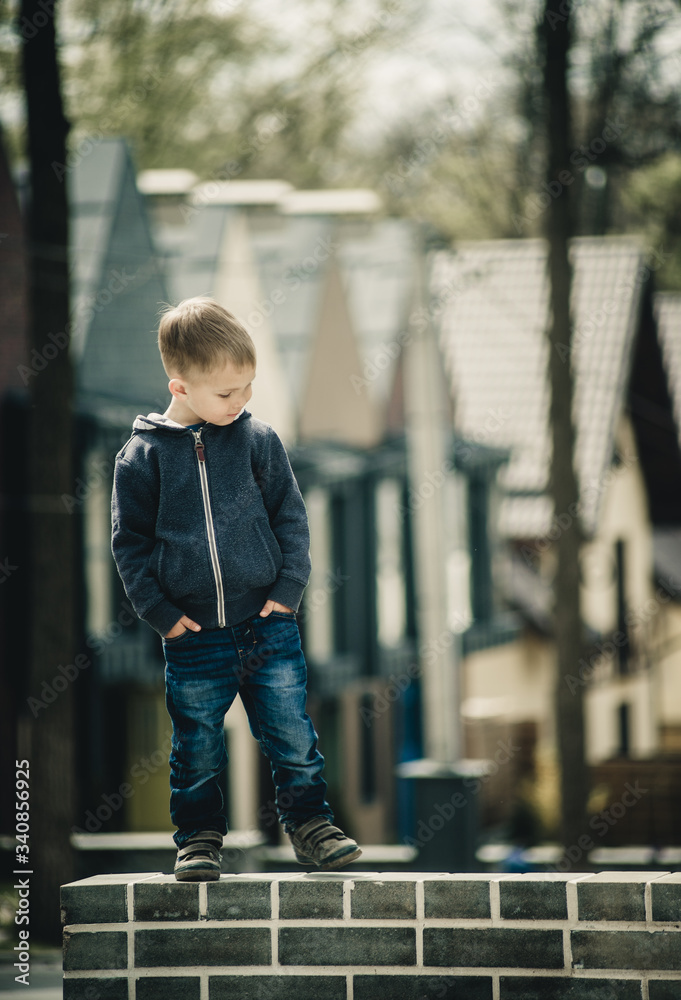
(397, 291)
(328, 286)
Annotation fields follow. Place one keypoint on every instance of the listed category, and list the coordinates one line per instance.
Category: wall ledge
(374, 936)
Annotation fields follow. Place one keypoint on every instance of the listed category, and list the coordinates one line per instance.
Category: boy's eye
(225, 395)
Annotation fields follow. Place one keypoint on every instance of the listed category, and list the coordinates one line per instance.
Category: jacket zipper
(210, 527)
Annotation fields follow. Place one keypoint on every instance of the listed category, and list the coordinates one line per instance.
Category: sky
(445, 54)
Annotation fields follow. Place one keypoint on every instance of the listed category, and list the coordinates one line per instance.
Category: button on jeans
(260, 660)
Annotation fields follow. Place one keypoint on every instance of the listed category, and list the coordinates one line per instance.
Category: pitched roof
(490, 300)
(118, 287)
(292, 258)
(378, 267)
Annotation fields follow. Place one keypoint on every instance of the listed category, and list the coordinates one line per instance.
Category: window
(621, 569)
(390, 577)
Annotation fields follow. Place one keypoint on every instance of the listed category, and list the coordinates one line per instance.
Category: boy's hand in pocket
(274, 606)
(181, 626)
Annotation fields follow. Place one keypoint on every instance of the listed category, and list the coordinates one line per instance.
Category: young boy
(211, 540)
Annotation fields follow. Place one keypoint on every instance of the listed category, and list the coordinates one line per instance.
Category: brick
(384, 900)
(95, 950)
(495, 947)
(645, 950)
(457, 898)
(93, 904)
(664, 989)
(95, 989)
(534, 898)
(666, 897)
(552, 988)
(276, 987)
(202, 946)
(613, 896)
(301, 899)
(168, 988)
(233, 899)
(347, 946)
(166, 901)
(422, 987)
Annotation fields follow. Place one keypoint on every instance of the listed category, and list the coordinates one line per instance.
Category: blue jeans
(261, 660)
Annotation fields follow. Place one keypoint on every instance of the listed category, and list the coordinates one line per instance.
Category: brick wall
(369, 936)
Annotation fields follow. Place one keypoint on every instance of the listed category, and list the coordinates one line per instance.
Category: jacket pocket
(269, 545)
(253, 562)
(184, 570)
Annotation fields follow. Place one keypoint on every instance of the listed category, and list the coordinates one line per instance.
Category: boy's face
(216, 396)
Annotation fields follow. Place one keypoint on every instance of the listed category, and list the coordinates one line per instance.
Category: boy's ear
(176, 387)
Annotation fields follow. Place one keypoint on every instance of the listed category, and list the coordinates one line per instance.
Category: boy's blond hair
(199, 335)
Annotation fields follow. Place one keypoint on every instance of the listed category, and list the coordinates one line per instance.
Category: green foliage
(153, 71)
(206, 84)
(462, 183)
(652, 196)
(234, 90)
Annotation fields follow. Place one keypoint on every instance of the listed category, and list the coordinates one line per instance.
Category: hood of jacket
(158, 421)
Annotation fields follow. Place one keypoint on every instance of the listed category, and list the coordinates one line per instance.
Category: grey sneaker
(319, 843)
(199, 859)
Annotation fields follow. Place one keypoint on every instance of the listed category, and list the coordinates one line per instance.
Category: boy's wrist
(163, 616)
(287, 592)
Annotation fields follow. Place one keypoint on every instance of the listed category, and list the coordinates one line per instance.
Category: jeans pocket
(178, 638)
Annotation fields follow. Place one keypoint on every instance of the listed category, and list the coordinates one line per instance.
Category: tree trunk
(563, 486)
(52, 537)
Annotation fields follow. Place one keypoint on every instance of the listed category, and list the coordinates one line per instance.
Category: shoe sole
(197, 875)
(335, 861)
(340, 862)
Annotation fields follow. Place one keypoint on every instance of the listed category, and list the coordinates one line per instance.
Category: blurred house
(325, 290)
(326, 287)
(431, 527)
(490, 303)
(118, 287)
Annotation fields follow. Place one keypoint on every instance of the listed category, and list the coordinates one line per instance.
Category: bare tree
(555, 36)
(52, 603)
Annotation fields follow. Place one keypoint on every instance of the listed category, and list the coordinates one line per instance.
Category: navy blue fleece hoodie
(207, 523)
